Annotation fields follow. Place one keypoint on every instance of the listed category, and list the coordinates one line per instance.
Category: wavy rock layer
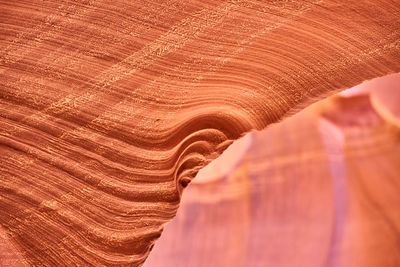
(109, 109)
(320, 189)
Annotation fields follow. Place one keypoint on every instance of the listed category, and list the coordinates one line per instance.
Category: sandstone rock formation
(319, 189)
(110, 108)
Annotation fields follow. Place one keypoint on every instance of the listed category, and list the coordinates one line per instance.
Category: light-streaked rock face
(109, 108)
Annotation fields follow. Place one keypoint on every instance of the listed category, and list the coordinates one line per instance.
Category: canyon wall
(110, 108)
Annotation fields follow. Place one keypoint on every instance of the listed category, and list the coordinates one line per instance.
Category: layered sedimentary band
(110, 108)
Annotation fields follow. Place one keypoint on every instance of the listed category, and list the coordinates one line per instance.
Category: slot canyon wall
(110, 108)
(319, 189)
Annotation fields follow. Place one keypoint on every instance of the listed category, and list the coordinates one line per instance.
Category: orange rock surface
(108, 109)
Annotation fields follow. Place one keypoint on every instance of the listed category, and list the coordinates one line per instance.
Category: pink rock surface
(319, 189)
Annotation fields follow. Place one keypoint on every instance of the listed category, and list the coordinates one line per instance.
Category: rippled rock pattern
(110, 108)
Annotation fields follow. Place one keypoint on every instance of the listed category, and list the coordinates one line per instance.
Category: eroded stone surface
(319, 189)
(109, 109)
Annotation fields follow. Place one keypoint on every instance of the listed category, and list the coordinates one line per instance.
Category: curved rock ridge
(319, 189)
(110, 108)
